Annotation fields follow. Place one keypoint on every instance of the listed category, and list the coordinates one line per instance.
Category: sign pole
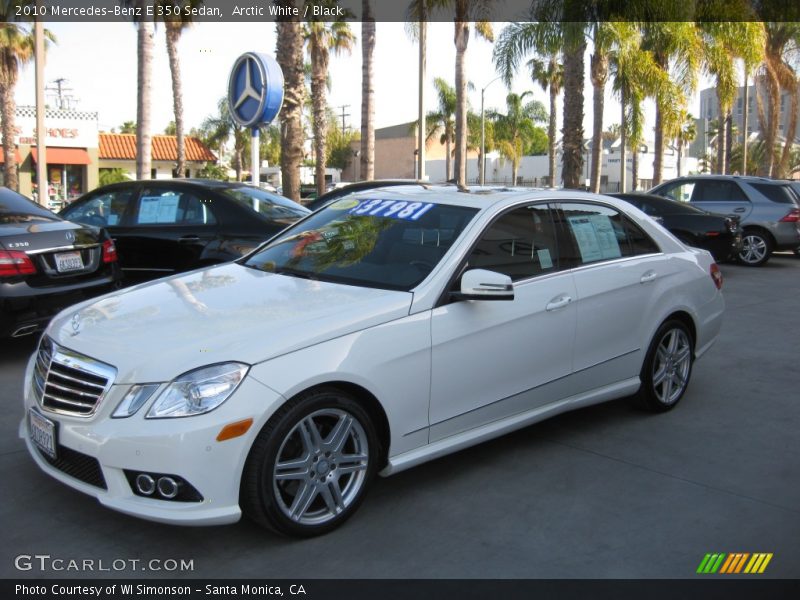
(255, 158)
(41, 144)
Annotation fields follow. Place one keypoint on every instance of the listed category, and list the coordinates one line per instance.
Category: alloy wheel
(671, 366)
(321, 467)
(754, 249)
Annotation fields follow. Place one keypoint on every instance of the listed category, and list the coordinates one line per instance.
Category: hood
(156, 331)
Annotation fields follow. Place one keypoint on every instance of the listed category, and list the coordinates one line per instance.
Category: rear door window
(718, 191)
(160, 206)
(599, 233)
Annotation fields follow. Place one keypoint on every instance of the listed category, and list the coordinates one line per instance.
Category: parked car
(722, 236)
(385, 330)
(47, 263)
(795, 185)
(770, 218)
(162, 227)
(352, 188)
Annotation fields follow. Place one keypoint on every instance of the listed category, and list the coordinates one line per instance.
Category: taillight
(14, 262)
(793, 216)
(109, 252)
(716, 275)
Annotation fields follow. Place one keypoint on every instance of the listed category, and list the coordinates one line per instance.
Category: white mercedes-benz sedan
(390, 328)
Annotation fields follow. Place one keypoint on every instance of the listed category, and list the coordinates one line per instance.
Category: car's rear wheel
(311, 465)
(667, 367)
(756, 248)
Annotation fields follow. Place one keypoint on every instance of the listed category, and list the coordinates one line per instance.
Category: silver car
(768, 209)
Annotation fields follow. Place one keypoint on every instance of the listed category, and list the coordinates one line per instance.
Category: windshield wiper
(293, 273)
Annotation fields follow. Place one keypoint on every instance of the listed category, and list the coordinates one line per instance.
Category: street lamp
(482, 169)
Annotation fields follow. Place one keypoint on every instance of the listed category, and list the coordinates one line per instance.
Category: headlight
(198, 391)
(134, 399)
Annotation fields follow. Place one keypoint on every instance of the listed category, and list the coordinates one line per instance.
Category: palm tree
(777, 75)
(175, 22)
(443, 119)
(466, 11)
(144, 146)
(723, 42)
(219, 129)
(676, 47)
(551, 36)
(549, 74)
(515, 130)
(367, 169)
(16, 48)
(322, 38)
(603, 36)
(289, 54)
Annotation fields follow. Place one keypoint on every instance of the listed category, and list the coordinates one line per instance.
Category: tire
(311, 465)
(756, 248)
(667, 367)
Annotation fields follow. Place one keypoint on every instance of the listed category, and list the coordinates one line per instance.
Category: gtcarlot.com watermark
(49, 563)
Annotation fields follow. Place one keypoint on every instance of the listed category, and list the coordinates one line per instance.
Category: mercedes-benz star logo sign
(70, 236)
(249, 91)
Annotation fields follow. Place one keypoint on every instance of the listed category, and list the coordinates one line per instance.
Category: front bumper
(186, 447)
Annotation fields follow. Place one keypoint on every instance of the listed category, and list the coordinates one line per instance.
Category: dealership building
(76, 152)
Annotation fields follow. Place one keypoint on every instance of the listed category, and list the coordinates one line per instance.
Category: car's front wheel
(756, 248)
(667, 367)
(311, 465)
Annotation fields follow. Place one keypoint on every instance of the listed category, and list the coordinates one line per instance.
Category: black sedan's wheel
(756, 248)
(311, 465)
(667, 367)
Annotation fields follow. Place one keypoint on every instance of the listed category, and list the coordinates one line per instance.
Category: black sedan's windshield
(389, 244)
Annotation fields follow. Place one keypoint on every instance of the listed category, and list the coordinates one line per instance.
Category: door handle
(648, 277)
(189, 239)
(559, 302)
(741, 209)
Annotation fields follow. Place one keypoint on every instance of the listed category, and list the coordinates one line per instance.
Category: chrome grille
(67, 382)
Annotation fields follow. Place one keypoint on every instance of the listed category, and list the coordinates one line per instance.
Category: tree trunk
(770, 128)
(658, 159)
(721, 134)
(551, 135)
(144, 146)
(728, 140)
(447, 175)
(635, 168)
(319, 81)
(623, 167)
(572, 131)
(745, 123)
(461, 41)
(599, 76)
(173, 36)
(784, 166)
(368, 93)
(10, 167)
(289, 54)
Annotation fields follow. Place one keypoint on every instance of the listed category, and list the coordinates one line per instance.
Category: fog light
(168, 487)
(145, 484)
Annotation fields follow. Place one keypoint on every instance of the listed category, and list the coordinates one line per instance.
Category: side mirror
(480, 284)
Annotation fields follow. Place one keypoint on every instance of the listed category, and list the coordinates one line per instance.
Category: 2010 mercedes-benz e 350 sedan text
(388, 329)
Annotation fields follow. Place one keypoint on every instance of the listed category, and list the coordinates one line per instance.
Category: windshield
(272, 206)
(378, 243)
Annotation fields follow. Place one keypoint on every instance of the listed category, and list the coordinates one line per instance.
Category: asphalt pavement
(602, 492)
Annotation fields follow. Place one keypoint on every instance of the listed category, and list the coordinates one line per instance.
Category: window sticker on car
(545, 260)
(394, 209)
(112, 220)
(158, 209)
(595, 237)
(344, 204)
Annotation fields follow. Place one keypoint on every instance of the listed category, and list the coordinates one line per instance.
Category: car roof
(480, 197)
(745, 178)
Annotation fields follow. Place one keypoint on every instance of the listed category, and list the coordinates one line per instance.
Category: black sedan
(162, 227)
(47, 263)
(720, 235)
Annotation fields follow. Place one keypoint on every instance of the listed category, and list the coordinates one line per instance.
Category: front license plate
(43, 433)
(68, 261)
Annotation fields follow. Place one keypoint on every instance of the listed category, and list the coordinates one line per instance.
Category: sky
(99, 62)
